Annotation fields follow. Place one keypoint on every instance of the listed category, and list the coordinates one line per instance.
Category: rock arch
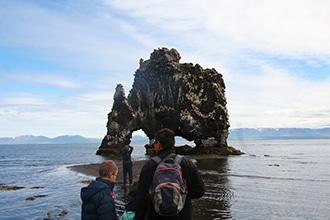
(181, 96)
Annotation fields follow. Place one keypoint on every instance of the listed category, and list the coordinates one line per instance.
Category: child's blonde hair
(107, 167)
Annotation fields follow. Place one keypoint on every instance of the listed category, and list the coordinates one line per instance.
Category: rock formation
(181, 96)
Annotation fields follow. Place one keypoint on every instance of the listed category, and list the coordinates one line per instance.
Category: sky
(60, 61)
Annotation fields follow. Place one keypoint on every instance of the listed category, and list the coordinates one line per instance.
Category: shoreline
(92, 168)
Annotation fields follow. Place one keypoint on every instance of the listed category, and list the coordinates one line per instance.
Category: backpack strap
(157, 159)
(177, 159)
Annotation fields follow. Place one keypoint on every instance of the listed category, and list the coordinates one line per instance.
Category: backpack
(168, 188)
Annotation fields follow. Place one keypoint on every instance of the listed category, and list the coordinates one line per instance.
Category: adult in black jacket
(164, 145)
(127, 164)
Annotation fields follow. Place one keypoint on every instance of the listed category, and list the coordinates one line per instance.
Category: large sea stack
(184, 97)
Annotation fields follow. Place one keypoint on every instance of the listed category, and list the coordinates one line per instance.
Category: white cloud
(277, 98)
(59, 79)
(283, 27)
(77, 53)
(50, 115)
(80, 41)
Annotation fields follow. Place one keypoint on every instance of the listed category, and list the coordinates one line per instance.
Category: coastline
(92, 168)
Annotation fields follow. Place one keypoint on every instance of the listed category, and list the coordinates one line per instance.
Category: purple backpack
(168, 189)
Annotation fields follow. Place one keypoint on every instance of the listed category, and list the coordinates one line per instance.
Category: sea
(274, 179)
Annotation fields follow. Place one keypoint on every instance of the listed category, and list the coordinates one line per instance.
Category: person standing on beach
(98, 200)
(127, 164)
(164, 146)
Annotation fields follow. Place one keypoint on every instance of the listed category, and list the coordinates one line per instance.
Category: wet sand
(93, 169)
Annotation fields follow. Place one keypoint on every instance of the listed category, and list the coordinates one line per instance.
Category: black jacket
(126, 154)
(195, 186)
(98, 200)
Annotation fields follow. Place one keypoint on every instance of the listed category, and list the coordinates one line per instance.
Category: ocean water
(274, 179)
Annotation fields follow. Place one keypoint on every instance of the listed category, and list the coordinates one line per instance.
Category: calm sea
(275, 179)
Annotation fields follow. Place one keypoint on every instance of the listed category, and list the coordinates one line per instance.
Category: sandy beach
(93, 169)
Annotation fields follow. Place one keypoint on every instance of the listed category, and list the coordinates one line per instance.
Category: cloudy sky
(60, 61)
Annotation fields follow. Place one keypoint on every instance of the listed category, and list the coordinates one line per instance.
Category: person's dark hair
(166, 137)
(126, 147)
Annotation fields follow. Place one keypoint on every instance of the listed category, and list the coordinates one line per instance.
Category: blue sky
(60, 61)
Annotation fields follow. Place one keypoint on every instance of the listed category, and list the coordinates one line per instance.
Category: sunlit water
(275, 179)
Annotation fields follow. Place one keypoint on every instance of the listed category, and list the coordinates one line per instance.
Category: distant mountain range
(64, 139)
(30, 139)
(278, 133)
(235, 134)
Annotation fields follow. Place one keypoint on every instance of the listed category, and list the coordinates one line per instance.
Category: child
(130, 207)
(98, 197)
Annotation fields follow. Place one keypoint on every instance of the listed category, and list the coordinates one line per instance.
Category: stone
(165, 93)
(7, 187)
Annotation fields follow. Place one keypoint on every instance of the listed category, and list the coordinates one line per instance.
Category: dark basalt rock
(184, 97)
(7, 187)
(188, 150)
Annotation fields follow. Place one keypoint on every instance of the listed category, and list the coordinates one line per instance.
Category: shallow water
(275, 179)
